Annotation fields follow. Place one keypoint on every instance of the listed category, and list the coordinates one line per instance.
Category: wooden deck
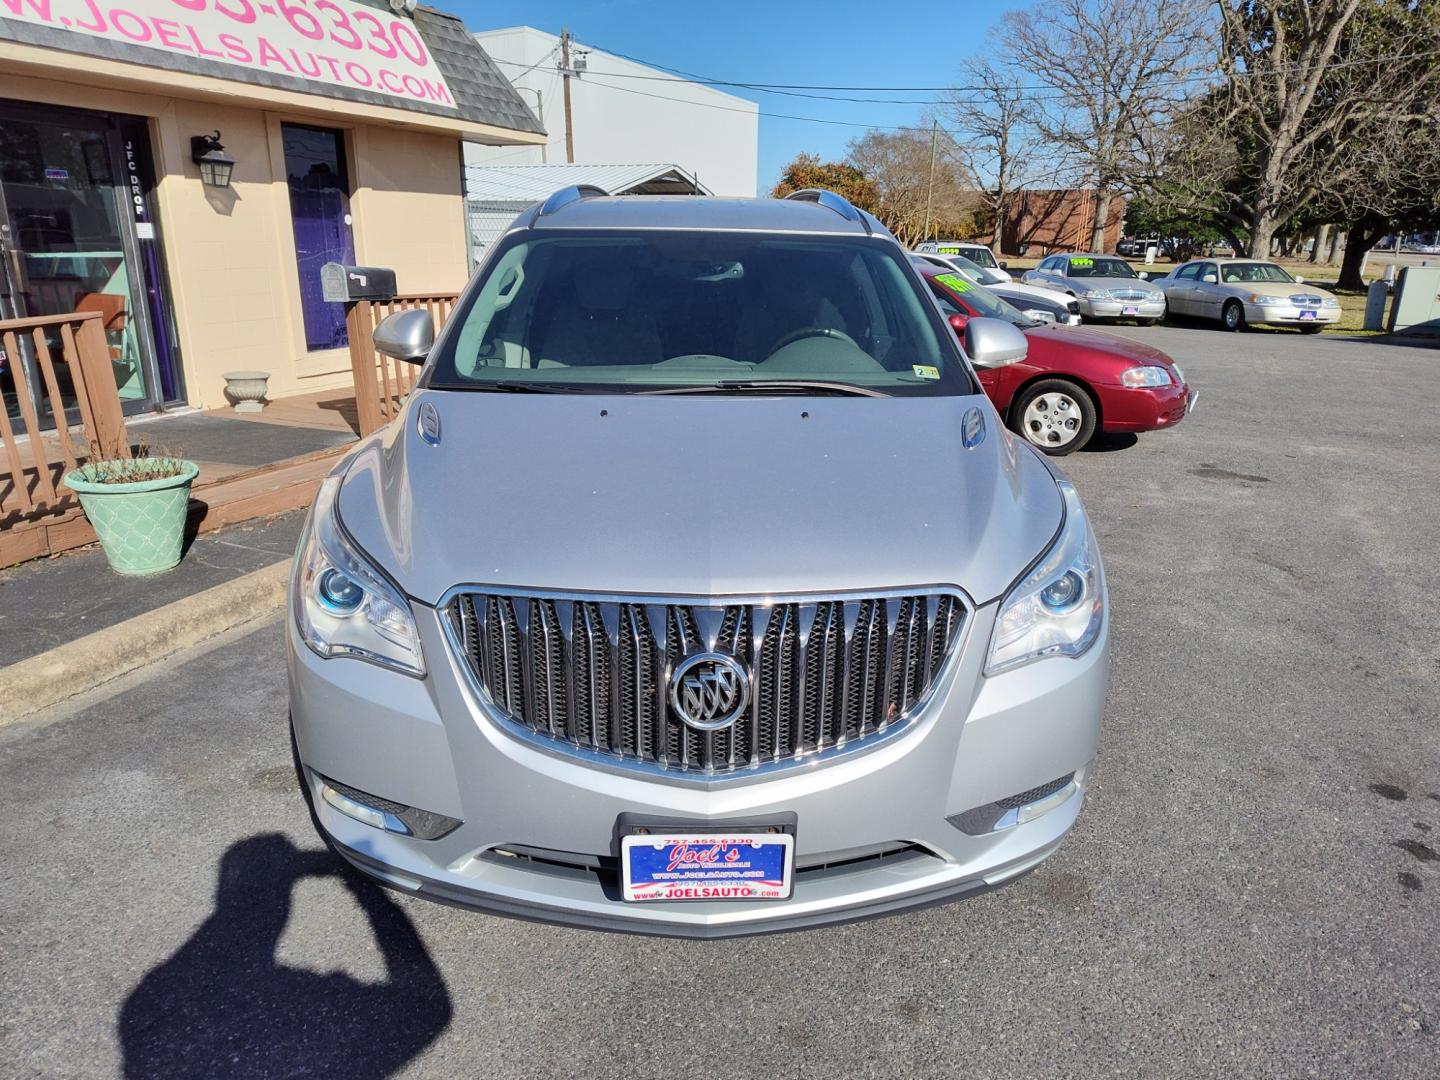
(325, 410)
(224, 493)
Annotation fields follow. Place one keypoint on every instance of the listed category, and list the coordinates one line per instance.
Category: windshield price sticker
(1082, 262)
(949, 249)
(953, 282)
(926, 371)
(707, 867)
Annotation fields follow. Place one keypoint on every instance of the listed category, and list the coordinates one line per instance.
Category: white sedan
(1247, 292)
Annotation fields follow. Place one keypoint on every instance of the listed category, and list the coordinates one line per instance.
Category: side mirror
(1210, 279)
(1004, 265)
(992, 343)
(957, 323)
(406, 335)
(1299, 280)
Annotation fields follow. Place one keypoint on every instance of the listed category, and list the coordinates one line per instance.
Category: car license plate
(1129, 311)
(707, 866)
(1308, 314)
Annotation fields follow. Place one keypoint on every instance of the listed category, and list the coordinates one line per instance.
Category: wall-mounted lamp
(215, 165)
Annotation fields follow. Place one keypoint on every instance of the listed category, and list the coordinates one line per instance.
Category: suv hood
(698, 495)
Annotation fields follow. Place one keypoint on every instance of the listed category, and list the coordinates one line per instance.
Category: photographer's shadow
(223, 1005)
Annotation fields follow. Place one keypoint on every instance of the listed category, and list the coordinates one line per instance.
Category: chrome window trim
(619, 766)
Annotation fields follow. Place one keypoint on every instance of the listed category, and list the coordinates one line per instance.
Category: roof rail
(831, 201)
(565, 196)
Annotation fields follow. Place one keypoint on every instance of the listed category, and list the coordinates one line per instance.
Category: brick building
(1044, 222)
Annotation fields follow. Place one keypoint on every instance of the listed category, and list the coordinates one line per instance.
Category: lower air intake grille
(824, 674)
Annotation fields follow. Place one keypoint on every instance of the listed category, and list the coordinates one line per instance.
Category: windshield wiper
(515, 386)
(798, 386)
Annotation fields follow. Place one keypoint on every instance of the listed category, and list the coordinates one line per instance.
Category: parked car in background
(1071, 383)
(1106, 287)
(979, 254)
(1136, 246)
(1034, 301)
(1248, 292)
(829, 645)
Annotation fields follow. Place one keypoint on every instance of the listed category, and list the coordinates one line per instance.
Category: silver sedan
(1105, 286)
(1245, 292)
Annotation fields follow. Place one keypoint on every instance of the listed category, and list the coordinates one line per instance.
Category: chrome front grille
(1305, 300)
(1130, 294)
(593, 674)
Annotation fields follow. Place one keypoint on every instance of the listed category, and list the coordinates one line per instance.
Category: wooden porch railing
(381, 382)
(82, 373)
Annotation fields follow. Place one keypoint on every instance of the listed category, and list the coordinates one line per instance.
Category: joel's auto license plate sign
(1307, 314)
(708, 866)
(1129, 311)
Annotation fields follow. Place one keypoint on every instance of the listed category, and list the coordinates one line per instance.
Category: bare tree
(1313, 86)
(1115, 71)
(899, 165)
(993, 122)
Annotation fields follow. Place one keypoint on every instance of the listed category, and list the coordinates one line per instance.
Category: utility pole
(566, 73)
(930, 190)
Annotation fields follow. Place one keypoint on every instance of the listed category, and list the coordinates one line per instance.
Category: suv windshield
(635, 311)
(1084, 266)
(1253, 271)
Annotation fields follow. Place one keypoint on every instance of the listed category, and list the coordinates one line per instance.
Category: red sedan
(1072, 382)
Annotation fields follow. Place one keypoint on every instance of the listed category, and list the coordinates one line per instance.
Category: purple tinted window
(320, 210)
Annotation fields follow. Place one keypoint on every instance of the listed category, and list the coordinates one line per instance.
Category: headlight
(1266, 301)
(1058, 608)
(1096, 294)
(1330, 302)
(344, 605)
(1145, 376)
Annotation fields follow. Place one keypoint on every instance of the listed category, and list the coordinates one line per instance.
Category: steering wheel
(808, 332)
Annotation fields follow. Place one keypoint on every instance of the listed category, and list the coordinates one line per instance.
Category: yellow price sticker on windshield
(953, 282)
(948, 250)
(925, 371)
(1082, 262)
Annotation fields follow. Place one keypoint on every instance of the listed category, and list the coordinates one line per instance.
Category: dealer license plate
(707, 866)
(1129, 311)
(1308, 314)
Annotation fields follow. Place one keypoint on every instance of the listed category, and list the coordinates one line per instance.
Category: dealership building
(185, 167)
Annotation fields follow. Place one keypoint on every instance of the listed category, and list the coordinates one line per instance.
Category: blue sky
(835, 43)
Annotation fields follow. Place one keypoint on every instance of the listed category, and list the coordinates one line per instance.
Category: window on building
(320, 212)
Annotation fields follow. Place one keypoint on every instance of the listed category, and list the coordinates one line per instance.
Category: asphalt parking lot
(1253, 888)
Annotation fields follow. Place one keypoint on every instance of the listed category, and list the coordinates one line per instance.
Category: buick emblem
(709, 690)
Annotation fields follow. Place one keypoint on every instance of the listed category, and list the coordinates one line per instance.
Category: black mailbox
(345, 284)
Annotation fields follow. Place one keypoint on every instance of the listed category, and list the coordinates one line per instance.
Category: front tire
(1311, 329)
(1056, 416)
(1232, 316)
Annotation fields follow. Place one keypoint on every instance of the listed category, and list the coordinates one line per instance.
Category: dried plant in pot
(138, 508)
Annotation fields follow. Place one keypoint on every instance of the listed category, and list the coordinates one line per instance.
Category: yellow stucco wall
(231, 252)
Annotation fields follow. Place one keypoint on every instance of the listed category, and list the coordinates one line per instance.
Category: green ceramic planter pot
(141, 525)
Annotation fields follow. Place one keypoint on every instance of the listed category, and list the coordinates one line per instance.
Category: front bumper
(1124, 408)
(872, 834)
(1290, 315)
(1122, 309)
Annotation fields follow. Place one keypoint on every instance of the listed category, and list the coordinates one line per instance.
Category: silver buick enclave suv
(698, 589)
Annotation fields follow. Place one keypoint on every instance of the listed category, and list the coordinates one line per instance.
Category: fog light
(1017, 809)
(385, 813)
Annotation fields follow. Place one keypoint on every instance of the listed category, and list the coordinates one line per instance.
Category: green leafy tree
(808, 171)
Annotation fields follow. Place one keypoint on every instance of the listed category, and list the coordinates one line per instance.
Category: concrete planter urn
(138, 509)
(246, 389)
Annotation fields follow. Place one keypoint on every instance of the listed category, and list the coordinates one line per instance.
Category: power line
(1030, 90)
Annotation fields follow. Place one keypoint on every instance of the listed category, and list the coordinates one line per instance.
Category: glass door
(69, 244)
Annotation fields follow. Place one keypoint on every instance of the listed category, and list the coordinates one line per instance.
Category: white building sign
(331, 42)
